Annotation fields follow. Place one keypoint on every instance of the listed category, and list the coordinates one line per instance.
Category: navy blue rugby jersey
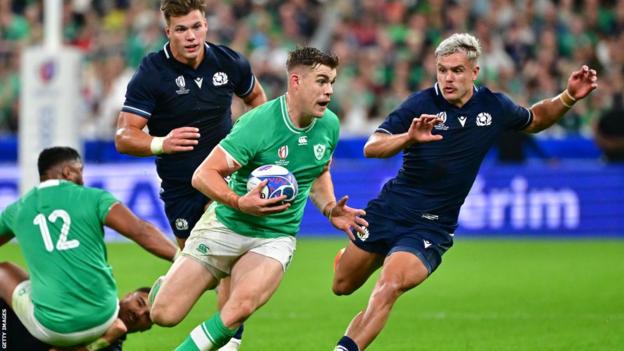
(172, 95)
(436, 177)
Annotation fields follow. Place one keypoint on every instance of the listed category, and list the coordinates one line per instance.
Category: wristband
(98, 344)
(157, 145)
(567, 99)
(327, 213)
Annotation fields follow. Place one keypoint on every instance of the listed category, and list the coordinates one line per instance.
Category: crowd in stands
(386, 49)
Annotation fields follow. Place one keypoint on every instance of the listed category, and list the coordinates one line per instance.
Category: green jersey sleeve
(105, 203)
(6, 220)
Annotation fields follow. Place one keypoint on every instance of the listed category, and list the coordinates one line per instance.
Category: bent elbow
(119, 144)
(370, 152)
(196, 179)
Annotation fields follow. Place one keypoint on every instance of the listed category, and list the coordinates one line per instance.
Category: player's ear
(475, 72)
(295, 79)
(66, 172)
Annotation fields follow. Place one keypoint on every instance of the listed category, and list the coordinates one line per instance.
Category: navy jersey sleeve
(399, 120)
(516, 116)
(140, 95)
(246, 80)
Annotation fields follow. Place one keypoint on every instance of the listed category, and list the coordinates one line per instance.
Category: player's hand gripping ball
(280, 182)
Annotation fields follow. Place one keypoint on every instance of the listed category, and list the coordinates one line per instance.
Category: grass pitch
(487, 295)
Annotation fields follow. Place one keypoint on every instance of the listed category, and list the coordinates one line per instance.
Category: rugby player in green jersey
(242, 235)
(71, 296)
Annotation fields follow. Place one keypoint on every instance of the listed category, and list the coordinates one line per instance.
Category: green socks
(210, 335)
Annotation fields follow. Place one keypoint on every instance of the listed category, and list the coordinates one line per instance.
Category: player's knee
(6, 266)
(387, 291)
(343, 287)
(164, 316)
(239, 310)
(245, 309)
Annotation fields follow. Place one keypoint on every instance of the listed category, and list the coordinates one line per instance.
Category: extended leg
(401, 272)
(254, 280)
(353, 269)
(185, 282)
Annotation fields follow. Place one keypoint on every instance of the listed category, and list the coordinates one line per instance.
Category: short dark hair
(177, 8)
(53, 156)
(309, 56)
(144, 289)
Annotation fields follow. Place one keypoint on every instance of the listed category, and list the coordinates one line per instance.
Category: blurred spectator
(609, 131)
(384, 46)
(514, 146)
(9, 93)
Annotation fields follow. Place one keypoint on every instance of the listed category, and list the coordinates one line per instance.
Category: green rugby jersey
(58, 225)
(266, 135)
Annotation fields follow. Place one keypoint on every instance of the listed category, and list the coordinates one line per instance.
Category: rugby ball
(280, 182)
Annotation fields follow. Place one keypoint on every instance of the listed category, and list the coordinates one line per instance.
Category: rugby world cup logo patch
(282, 152)
(441, 125)
(181, 83)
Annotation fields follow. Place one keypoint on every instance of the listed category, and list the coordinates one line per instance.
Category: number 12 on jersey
(62, 243)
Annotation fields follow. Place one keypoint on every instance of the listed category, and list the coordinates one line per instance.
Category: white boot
(232, 345)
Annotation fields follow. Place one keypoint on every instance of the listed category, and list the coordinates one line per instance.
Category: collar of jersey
(441, 97)
(169, 55)
(289, 122)
(48, 183)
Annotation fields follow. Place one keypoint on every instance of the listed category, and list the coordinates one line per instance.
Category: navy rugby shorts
(184, 211)
(387, 235)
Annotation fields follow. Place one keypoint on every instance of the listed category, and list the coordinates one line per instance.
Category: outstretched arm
(114, 332)
(132, 140)
(121, 219)
(382, 145)
(547, 112)
(340, 215)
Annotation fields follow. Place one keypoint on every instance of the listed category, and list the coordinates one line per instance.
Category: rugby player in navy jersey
(183, 94)
(444, 132)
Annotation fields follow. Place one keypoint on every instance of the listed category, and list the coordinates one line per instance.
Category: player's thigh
(10, 276)
(264, 265)
(255, 278)
(355, 266)
(185, 282)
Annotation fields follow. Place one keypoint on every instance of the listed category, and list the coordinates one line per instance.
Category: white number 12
(62, 243)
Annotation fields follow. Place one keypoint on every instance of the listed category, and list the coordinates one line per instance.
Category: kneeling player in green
(71, 297)
(242, 235)
(133, 315)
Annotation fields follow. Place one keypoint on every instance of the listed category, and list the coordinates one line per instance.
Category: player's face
(187, 35)
(315, 89)
(456, 76)
(134, 312)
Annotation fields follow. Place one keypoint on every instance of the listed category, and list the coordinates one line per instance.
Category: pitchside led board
(50, 98)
